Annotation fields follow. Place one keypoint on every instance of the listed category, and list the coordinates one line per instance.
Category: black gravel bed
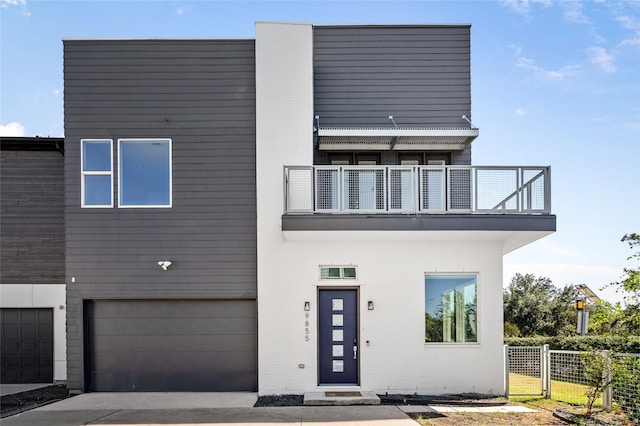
(18, 402)
(280, 401)
(466, 399)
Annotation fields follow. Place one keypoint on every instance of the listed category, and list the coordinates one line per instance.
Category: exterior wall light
(307, 306)
(370, 305)
(164, 264)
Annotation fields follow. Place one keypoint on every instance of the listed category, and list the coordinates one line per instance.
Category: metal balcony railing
(417, 189)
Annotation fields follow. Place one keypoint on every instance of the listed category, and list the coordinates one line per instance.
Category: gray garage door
(26, 346)
(171, 345)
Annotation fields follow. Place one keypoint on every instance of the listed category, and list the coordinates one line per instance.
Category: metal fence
(536, 370)
(626, 385)
(567, 380)
(525, 367)
(416, 189)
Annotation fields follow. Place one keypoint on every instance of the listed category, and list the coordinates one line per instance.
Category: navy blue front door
(338, 336)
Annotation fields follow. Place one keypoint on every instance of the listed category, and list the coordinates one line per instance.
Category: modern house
(32, 287)
(293, 213)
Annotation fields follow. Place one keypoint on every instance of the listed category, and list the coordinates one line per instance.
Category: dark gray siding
(31, 216)
(200, 93)
(421, 75)
(418, 74)
(435, 222)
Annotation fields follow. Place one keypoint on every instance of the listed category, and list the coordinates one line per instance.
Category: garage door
(171, 345)
(26, 346)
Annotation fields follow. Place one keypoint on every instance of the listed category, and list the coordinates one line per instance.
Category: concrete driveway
(201, 409)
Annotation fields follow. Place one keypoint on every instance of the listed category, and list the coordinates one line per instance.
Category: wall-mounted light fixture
(370, 305)
(164, 264)
(307, 306)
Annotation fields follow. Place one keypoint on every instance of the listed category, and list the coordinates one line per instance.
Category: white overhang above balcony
(395, 138)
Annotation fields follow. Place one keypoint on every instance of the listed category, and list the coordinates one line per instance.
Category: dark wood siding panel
(201, 94)
(213, 154)
(32, 217)
(420, 75)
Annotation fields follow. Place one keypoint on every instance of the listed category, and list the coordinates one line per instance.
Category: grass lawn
(573, 393)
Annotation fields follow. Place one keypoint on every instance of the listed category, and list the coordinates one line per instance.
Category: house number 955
(306, 326)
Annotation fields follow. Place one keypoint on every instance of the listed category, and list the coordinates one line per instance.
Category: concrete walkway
(203, 409)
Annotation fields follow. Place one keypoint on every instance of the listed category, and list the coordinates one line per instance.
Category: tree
(511, 330)
(537, 307)
(611, 318)
(627, 319)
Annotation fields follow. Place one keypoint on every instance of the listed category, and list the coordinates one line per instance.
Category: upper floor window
(97, 172)
(450, 308)
(144, 172)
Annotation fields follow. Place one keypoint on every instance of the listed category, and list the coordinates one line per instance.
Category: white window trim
(84, 173)
(478, 304)
(146, 206)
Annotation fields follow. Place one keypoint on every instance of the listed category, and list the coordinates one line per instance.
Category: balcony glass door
(367, 183)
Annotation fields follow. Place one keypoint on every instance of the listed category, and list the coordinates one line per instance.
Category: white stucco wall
(43, 296)
(393, 355)
(391, 264)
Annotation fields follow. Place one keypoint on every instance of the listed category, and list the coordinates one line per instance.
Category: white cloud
(602, 59)
(543, 73)
(573, 12)
(181, 10)
(517, 49)
(56, 92)
(9, 3)
(548, 74)
(12, 129)
(520, 112)
(631, 23)
(6, 4)
(559, 250)
(523, 7)
(628, 22)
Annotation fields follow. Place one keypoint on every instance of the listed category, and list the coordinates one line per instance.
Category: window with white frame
(450, 308)
(144, 173)
(338, 272)
(97, 172)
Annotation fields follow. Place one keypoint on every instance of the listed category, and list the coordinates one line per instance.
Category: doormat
(341, 394)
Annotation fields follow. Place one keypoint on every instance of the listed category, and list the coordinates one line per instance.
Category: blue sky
(553, 83)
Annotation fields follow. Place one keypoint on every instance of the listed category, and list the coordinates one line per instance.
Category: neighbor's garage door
(171, 345)
(26, 346)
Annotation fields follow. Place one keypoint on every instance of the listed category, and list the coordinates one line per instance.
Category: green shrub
(626, 386)
(619, 344)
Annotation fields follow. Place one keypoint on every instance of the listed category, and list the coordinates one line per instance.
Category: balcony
(411, 190)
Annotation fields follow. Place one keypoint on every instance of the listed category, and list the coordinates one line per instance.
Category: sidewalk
(232, 409)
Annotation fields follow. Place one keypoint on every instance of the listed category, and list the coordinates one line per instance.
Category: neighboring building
(32, 289)
(288, 214)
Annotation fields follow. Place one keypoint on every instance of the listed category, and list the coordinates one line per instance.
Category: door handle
(355, 352)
